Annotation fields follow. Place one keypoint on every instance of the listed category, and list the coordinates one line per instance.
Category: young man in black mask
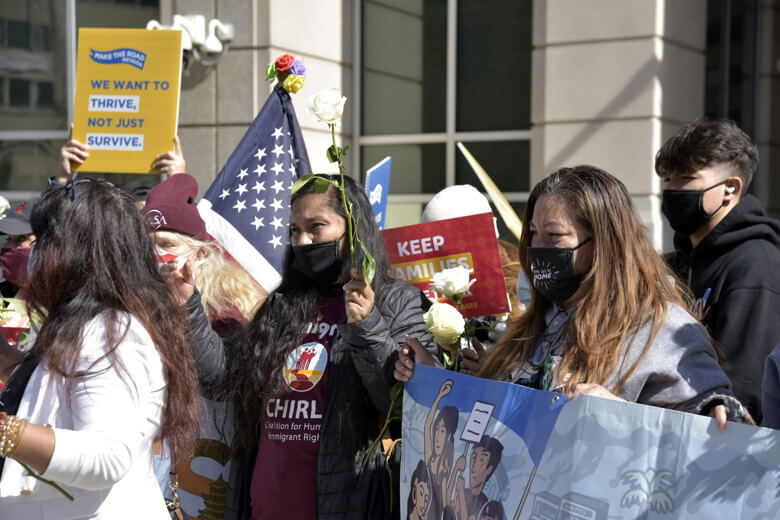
(726, 248)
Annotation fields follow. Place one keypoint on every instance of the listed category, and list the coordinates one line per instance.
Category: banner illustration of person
(487, 428)
(522, 456)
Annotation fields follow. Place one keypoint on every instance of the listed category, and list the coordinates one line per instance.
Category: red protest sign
(418, 252)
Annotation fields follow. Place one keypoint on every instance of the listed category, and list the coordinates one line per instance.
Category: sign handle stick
(525, 494)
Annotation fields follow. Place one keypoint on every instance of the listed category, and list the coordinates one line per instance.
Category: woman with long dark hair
(606, 317)
(312, 372)
(114, 370)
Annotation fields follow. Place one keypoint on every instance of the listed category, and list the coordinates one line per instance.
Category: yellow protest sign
(127, 97)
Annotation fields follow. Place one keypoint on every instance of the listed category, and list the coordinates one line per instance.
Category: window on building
(18, 34)
(45, 98)
(19, 93)
(434, 73)
(34, 90)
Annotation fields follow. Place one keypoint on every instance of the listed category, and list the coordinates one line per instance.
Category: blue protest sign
(477, 448)
(377, 188)
(474, 444)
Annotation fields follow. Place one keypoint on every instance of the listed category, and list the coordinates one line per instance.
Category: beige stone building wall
(219, 103)
(612, 79)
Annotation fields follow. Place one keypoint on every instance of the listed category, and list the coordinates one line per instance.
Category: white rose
(452, 282)
(445, 323)
(327, 104)
(4, 205)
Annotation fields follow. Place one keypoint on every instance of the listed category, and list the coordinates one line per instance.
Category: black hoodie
(734, 275)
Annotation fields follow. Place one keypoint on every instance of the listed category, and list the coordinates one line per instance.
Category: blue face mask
(523, 289)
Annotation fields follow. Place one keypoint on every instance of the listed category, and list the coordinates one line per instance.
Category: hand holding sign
(171, 163)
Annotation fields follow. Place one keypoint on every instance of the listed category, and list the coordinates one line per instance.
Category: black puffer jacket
(360, 369)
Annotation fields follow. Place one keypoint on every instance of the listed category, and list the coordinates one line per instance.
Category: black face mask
(552, 270)
(320, 262)
(684, 209)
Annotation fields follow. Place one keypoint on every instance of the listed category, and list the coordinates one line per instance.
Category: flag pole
(508, 214)
(525, 494)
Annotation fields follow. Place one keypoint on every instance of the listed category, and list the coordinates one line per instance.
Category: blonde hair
(627, 286)
(223, 285)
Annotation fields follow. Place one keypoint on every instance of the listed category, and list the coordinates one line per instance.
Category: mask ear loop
(725, 203)
(582, 243)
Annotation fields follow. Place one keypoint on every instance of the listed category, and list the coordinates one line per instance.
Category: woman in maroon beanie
(229, 295)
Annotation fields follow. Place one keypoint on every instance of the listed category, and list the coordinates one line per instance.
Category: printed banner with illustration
(419, 251)
(127, 97)
(203, 478)
(588, 458)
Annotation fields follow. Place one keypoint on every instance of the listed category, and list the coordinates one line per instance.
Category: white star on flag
(258, 222)
(248, 235)
(291, 151)
(292, 170)
(259, 204)
(277, 223)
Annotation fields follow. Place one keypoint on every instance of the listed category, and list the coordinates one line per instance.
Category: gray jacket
(680, 369)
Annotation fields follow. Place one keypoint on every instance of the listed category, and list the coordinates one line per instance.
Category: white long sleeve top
(104, 428)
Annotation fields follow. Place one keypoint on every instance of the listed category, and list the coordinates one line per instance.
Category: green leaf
(333, 154)
(270, 72)
(344, 150)
(300, 183)
(369, 264)
(448, 358)
(320, 183)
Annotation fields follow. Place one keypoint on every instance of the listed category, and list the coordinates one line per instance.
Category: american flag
(247, 208)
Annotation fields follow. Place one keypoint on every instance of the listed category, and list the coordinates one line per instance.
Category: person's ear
(203, 252)
(733, 189)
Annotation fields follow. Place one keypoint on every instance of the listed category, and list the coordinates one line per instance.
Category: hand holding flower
(358, 297)
(411, 352)
(474, 360)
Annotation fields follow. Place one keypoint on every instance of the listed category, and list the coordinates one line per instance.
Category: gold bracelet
(12, 433)
(20, 431)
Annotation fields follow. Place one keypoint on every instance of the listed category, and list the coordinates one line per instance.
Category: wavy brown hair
(93, 256)
(627, 286)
